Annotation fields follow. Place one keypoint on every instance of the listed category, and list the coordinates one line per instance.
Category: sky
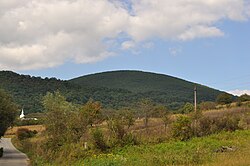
(203, 41)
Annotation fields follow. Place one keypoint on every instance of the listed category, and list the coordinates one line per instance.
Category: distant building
(22, 115)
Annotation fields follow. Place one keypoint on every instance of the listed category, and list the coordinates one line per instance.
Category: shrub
(130, 139)
(117, 129)
(227, 123)
(1, 152)
(98, 139)
(205, 126)
(209, 125)
(181, 128)
(208, 105)
(24, 133)
(120, 135)
(187, 108)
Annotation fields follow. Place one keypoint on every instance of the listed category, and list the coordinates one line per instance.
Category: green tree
(8, 111)
(244, 97)
(224, 98)
(182, 129)
(92, 112)
(147, 108)
(64, 122)
(163, 113)
(187, 108)
(127, 117)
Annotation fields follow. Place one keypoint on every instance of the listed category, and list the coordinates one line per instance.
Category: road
(11, 156)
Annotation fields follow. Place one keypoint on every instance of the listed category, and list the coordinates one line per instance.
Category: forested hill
(160, 88)
(138, 81)
(113, 89)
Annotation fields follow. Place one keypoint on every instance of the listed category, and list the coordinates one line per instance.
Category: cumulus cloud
(40, 34)
(238, 92)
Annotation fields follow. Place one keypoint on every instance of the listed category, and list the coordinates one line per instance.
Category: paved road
(11, 156)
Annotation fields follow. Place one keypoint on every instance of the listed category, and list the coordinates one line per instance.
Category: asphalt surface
(11, 156)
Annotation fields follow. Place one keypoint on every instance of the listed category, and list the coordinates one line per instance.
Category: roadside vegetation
(8, 111)
(149, 135)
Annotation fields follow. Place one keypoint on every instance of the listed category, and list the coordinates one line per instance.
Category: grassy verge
(197, 151)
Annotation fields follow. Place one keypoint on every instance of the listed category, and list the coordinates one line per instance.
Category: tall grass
(197, 151)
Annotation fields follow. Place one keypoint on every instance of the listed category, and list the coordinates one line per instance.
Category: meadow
(225, 143)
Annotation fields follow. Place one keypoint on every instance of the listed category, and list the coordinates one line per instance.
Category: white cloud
(182, 19)
(200, 31)
(128, 45)
(239, 92)
(40, 34)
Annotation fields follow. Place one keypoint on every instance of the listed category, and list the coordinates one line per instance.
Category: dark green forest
(113, 89)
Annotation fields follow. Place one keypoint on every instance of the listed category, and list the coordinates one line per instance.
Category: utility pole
(195, 99)
(195, 110)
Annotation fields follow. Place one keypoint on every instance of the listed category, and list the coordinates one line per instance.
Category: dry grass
(226, 111)
(12, 131)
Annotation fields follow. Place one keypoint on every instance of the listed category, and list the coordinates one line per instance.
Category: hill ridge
(114, 89)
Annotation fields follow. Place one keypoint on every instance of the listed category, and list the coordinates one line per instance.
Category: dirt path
(11, 156)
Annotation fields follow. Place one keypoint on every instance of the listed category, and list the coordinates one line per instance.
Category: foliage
(127, 117)
(146, 108)
(197, 151)
(114, 143)
(92, 112)
(98, 139)
(181, 128)
(8, 112)
(115, 90)
(24, 133)
(27, 122)
(207, 105)
(64, 122)
(214, 124)
(165, 115)
(120, 136)
(224, 98)
(187, 108)
(244, 97)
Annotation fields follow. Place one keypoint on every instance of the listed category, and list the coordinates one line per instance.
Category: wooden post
(195, 99)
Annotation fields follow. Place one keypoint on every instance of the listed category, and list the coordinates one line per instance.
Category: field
(12, 131)
(156, 145)
(197, 151)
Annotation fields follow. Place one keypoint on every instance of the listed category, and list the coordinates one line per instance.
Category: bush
(205, 126)
(98, 139)
(24, 133)
(19, 122)
(227, 123)
(130, 139)
(209, 125)
(1, 152)
(120, 135)
(208, 105)
(187, 108)
(181, 128)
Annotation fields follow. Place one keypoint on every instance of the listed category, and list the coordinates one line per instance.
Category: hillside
(28, 91)
(159, 87)
(113, 89)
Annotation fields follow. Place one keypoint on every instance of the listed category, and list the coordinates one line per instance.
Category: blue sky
(210, 47)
